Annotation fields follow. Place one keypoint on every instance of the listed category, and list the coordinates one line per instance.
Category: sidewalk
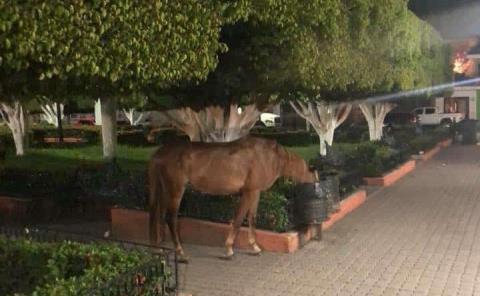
(418, 237)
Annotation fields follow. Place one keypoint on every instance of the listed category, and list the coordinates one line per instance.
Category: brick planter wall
(132, 225)
(428, 154)
(14, 210)
(434, 151)
(446, 143)
(391, 177)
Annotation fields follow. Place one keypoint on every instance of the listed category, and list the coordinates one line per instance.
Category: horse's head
(295, 167)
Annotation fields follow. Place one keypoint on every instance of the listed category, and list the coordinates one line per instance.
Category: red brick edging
(434, 151)
(445, 143)
(391, 177)
(132, 225)
(429, 154)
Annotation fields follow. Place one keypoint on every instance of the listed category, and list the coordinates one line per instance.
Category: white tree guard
(134, 117)
(324, 117)
(50, 113)
(375, 115)
(214, 124)
(14, 115)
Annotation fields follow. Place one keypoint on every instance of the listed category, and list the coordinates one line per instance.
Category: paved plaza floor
(418, 237)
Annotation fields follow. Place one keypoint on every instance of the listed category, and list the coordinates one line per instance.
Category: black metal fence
(158, 276)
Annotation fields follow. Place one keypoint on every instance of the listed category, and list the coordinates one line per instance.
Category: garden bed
(392, 177)
(132, 225)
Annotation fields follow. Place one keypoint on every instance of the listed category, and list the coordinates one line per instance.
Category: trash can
(469, 132)
(310, 204)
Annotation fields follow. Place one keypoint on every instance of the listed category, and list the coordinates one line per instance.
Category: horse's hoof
(256, 250)
(183, 258)
(227, 257)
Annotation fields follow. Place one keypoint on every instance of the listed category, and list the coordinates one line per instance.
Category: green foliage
(292, 139)
(272, 209)
(67, 268)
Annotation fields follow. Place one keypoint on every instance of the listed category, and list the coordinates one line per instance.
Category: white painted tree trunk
(15, 117)
(214, 124)
(375, 115)
(50, 113)
(134, 117)
(109, 128)
(324, 118)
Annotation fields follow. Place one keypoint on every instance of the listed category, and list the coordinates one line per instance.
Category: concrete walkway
(419, 237)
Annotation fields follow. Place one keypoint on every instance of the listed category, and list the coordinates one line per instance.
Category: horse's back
(219, 168)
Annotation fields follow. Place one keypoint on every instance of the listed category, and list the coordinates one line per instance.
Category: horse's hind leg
(172, 220)
(252, 215)
(245, 203)
(157, 212)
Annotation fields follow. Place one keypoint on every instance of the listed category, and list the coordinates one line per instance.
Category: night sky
(455, 19)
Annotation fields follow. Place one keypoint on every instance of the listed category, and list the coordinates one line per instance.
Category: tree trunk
(109, 128)
(59, 122)
(375, 115)
(130, 114)
(214, 124)
(51, 113)
(324, 118)
(14, 115)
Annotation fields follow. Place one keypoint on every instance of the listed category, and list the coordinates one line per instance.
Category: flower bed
(132, 225)
(68, 268)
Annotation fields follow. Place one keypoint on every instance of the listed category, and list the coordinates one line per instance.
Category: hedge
(299, 138)
(67, 268)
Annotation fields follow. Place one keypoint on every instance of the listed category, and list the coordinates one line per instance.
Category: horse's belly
(217, 185)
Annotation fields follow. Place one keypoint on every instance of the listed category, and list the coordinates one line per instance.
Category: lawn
(130, 158)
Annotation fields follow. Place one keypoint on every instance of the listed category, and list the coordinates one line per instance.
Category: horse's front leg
(245, 203)
(172, 220)
(252, 216)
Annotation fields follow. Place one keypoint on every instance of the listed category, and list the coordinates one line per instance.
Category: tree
(111, 49)
(324, 118)
(18, 66)
(418, 59)
(249, 73)
(14, 115)
(213, 124)
(52, 113)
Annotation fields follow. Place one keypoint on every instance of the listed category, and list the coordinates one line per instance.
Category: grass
(130, 158)
(59, 159)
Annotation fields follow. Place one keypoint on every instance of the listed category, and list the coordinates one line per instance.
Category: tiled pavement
(419, 237)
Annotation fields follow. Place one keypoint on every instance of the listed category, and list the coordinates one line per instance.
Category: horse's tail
(154, 203)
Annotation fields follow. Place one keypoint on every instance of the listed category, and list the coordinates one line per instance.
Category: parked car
(270, 119)
(398, 119)
(82, 119)
(431, 116)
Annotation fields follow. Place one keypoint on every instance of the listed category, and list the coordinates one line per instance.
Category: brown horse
(247, 166)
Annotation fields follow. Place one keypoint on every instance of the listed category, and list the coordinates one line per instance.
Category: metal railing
(157, 276)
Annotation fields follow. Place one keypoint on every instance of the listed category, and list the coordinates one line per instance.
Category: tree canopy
(111, 46)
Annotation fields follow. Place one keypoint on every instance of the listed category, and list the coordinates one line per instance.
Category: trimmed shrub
(301, 138)
(66, 268)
